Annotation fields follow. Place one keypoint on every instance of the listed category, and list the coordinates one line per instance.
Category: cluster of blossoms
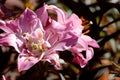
(38, 36)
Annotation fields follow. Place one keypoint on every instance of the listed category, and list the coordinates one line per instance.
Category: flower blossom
(28, 35)
(74, 25)
(37, 36)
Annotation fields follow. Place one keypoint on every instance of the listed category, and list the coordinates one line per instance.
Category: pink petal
(26, 61)
(81, 43)
(3, 77)
(80, 61)
(10, 40)
(9, 26)
(57, 26)
(27, 21)
(38, 33)
(69, 40)
(79, 58)
(42, 12)
(90, 41)
(53, 59)
(61, 16)
(75, 24)
(89, 53)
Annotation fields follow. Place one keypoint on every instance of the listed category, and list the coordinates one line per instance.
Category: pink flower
(22, 34)
(37, 36)
(73, 25)
(82, 45)
(34, 39)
